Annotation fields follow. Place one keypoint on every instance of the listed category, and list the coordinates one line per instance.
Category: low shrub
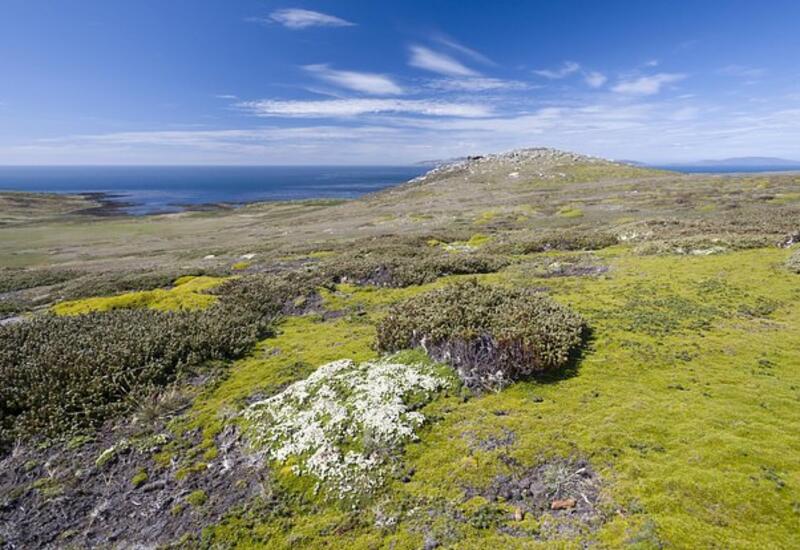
(491, 335)
(107, 283)
(562, 241)
(61, 375)
(793, 263)
(20, 279)
(9, 308)
(402, 266)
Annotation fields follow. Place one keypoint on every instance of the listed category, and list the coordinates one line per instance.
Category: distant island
(728, 165)
(747, 161)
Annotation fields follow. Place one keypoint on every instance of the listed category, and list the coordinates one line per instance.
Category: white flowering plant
(346, 423)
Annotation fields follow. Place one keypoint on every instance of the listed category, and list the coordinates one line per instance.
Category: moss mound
(492, 335)
(187, 293)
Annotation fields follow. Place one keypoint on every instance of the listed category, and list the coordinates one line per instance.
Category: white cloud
(644, 130)
(462, 49)
(477, 84)
(647, 85)
(296, 18)
(368, 83)
(425, 58)
(568, 68)
(595, 79)
(742, 71)
(354, 107)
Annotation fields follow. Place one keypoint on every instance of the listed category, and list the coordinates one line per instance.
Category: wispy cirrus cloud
(368, 83)
(476, 84)
(454, 45)
(647, 85)
(646, 130)
(297, 19)
(742, 71)
(437, 62)
(568, 68)
(337, 108)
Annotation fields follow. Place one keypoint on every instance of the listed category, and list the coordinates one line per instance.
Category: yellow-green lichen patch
(486, 217)
(570, 212)
(188, 293)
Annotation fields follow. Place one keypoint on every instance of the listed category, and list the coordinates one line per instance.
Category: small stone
(564, 504)
(519, 514)
(537, 399)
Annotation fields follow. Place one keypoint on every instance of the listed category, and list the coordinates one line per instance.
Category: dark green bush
(566, 241)
(406, 265)
(59, 375)
(20, 279)
(490, 334)
(9, 308)
(107, 283)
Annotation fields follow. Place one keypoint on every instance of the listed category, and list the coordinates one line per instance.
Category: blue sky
(356, 82)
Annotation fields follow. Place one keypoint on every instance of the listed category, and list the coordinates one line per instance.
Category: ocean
(725, 168)
(158, 189)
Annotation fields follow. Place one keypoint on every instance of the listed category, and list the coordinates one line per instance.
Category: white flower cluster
(344, 421)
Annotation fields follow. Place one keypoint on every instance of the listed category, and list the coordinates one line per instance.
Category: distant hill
(747, 161)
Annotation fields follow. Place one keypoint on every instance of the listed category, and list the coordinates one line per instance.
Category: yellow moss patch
(187, 294)
(486, 217)
(570, 212)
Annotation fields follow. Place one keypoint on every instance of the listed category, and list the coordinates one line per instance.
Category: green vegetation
(188, 293)
(404, 264)
(673, 423)
(793, 263)
(197, 498)
(570, 212)
(491, 335)
(20, 279)
(140, 478)
(59, 375)
(344, 425)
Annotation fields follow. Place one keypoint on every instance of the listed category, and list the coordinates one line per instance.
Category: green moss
(785, 198)
(570, 212)
(486, 217)
(238, 266)
(197, 498)
(188, 293)
(112, 453)
(78, 441)
(48, 487)
(140, 478)
(188, 471)
(318, 254)
(730, 399)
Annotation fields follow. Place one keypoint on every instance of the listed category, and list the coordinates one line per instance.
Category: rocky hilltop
(539, 162)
